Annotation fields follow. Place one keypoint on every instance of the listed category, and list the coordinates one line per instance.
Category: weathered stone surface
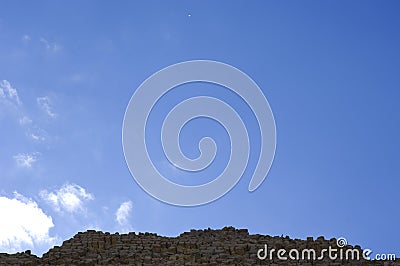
(228, 246)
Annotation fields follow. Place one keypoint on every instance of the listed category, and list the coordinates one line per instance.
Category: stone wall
(228, 246)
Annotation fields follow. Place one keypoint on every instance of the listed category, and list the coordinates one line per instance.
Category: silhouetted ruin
(228, 246)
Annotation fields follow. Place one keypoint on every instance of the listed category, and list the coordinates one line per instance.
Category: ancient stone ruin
(228, 246)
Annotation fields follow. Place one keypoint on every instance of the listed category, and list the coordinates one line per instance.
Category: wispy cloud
(23, 224)
(36, 133)
(8, 93)
(11, 107)
(26, 160)
(50, 46)
(11, 103)
(37, 137)
(25, 121)
(45, 104)
(69, 198)
(122, 216)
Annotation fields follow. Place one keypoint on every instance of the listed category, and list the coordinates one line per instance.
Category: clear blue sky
(329, 69)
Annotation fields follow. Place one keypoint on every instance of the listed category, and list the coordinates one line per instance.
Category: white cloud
(26, 160)
(8, 93)
(54, 47)
(122, 215)
(69, 198)
(25, 121)
(10, 103)
(38, 138)
(37, 134)
(23, 224)
(12, 107)
(45, 104)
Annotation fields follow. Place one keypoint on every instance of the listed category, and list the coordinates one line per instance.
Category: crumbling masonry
(228, 246)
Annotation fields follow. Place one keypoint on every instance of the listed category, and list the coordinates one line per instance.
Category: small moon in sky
(189, 15)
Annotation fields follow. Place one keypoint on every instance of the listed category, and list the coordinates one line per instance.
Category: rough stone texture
(228, 246)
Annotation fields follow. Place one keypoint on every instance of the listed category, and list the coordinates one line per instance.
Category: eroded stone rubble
(228, 246)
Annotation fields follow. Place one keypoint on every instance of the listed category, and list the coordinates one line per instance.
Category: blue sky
(329, 69)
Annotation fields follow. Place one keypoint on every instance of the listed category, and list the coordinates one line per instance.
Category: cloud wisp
(53, 47)
(122, 216)
(10, 103)
(9, 93)
(45, 104)
(26, 160)
(70, 198)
